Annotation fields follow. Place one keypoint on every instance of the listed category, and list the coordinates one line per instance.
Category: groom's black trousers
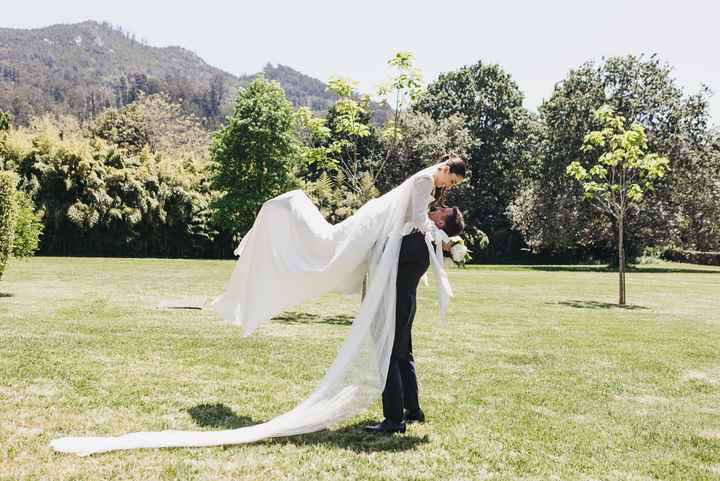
(401, 389)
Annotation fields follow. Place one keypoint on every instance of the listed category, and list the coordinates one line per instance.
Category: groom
(400, 397)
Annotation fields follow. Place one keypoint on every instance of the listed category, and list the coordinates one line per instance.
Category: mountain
(82, 69)
(301, 89)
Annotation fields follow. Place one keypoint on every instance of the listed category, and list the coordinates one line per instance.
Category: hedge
(692, 257)
(7, 216)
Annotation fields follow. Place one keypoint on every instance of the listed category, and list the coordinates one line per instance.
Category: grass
(538, 375)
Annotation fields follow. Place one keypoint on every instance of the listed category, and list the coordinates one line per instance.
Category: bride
(292, 254)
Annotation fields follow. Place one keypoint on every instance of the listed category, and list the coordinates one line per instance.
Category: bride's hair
(454, 162)
(456, 165)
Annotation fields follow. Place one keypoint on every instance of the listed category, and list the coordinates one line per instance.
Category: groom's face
(439, 215)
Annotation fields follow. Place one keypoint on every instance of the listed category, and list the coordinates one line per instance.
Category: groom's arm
(445, 246)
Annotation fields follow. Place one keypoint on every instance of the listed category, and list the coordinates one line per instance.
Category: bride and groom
(400, 397)
(291, 248)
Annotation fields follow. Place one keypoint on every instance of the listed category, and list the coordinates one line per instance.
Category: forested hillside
(83, 69)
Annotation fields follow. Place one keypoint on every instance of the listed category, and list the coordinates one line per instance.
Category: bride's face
(444, 179)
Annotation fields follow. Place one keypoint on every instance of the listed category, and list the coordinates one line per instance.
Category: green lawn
(536, 376)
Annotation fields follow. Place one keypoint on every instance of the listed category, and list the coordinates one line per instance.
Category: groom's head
(449, 219)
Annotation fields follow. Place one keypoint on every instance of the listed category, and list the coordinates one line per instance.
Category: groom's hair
(454, 223)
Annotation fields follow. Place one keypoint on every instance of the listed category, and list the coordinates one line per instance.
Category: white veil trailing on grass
(293, 254)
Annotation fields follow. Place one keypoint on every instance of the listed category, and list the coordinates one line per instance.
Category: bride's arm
(422, 192)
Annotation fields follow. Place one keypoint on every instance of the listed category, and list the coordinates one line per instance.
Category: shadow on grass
(6, 294)
(293, 317)
(341, 319)
(630, 270)
(352, 438)
(598, 305)
(218, 416)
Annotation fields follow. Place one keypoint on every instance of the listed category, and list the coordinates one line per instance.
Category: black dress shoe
(414, 416)
(386, 427)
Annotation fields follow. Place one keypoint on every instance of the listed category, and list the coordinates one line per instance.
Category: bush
(28, 227)
(650, 255)
(253, 155)
(98, 199)
(5, 121)
(692, 257)
(7, 216)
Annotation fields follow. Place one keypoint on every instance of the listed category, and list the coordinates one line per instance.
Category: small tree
(28, 227)
(406, 87)
(253, 154)
(342, 157)
(350, 124)
(623, 174)
(156, 122)
(336, 153)
(313, 135)
(7, 216)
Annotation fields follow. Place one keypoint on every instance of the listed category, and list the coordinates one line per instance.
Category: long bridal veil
(293, 254)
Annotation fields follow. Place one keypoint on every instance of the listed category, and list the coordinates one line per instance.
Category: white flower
(458, 252)
(456, 239)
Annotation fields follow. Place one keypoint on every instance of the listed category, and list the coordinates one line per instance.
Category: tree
(156, 122)
(420, 141)
(7, 216)
(214, 97)
(252, 156)
(126, 128)
(695, 197)
(347, 143)
(351, 161)
(313, 136)
(623, 174)
(339, 153)
(501, 152)
(548, 210)
(406, 87)
(28, 227)
(349, 123)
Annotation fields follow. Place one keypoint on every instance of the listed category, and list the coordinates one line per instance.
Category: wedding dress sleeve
(421, 197)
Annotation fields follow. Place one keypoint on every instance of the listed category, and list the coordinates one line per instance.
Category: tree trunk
(621, 259)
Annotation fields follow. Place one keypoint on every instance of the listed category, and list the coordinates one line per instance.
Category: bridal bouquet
(459, 253)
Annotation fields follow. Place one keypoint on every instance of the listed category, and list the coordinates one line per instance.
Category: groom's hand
(446, 247)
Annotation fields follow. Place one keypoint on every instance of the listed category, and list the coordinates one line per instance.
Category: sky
(537, 42)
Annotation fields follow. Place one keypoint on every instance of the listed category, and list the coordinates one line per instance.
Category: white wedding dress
(293, 254)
